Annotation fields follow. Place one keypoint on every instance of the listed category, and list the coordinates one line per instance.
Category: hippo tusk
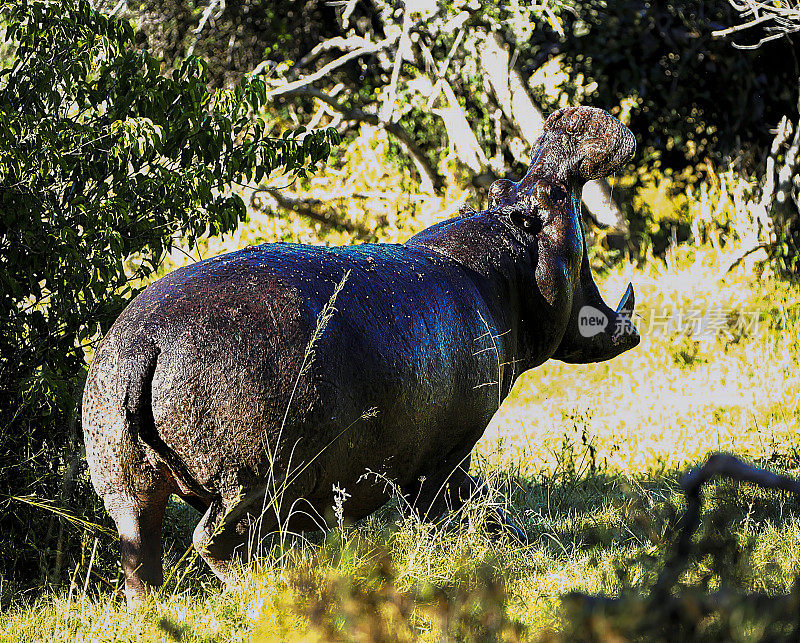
(627, 302)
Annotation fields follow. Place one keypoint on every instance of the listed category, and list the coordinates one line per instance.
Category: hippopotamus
(258, 384)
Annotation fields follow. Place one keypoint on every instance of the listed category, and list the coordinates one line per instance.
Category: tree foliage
(695, 103)
(104, 162)
(688, 94)
(412, 68)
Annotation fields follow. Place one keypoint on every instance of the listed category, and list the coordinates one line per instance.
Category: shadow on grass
(391, 577)
(571, 513)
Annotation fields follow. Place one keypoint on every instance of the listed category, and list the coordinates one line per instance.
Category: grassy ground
(586, 457)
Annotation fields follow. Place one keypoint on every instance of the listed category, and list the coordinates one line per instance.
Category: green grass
(587, 459)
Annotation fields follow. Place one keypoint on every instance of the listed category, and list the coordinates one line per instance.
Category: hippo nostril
(557, 193)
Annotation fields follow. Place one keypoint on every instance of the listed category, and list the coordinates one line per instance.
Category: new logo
(591, 321)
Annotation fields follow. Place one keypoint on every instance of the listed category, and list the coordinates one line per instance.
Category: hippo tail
(137, 368)
(139, 371)
(114, 409)
(118, 423)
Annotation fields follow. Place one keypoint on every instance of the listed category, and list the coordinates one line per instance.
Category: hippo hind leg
(216, 540)
(131, 478)
(139, 519)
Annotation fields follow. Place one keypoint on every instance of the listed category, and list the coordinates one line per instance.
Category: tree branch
(459, 132)
(310, 208)
(352, 43)
(721, 33)
(661, 598)
(288, 88)
(783, 196)
(386, 111)
(427, 171)
(775, 207)
(779, 19)
(718, 464)
(742, 255)
(203, 20)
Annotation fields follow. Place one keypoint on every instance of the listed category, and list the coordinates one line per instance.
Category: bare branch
(781, 136)
(776, 18)
(780, 606)
(212, 6)
(446, 62)
(352, 43)
(428, 173)
(742, 255)
(783, 195)
(311, 208)
(348, 11)
(661, 598)
(459, 132)
(288, 88)
(779, 202)
(387, 109)
(719, 464)
(721, 33)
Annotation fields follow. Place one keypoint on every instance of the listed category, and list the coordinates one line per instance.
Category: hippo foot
(498, 522)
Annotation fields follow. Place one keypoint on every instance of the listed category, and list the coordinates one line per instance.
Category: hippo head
(578, 144)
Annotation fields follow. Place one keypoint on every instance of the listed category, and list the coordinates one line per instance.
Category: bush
(103, 163)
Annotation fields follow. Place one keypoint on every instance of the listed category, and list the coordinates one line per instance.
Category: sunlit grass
(585, 457)
(679, 395)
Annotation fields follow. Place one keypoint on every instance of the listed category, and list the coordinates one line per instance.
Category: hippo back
(247, 378)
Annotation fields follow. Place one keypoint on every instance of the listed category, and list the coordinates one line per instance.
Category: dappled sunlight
(339, 123)
(585, 457)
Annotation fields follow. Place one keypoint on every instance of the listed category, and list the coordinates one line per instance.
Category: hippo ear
(580, 144)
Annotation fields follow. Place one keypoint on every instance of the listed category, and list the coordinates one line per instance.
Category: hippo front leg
(449, 487)
(216, 540)
(443, 488)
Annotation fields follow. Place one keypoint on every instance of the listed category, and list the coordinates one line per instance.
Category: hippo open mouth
(578, 144)
(606, 333)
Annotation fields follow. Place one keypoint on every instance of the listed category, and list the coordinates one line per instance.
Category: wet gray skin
(205, 386)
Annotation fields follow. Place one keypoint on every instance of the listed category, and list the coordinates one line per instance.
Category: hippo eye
(527, 220)
(531, 224)
(557, 193)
